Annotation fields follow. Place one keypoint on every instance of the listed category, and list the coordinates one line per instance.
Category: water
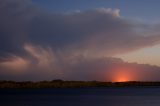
(81, 97)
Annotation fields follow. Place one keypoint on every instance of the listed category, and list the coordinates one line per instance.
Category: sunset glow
(80, 52)
(121, 75)
(121, 78)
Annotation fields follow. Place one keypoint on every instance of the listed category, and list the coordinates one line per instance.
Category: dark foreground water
(81, 97)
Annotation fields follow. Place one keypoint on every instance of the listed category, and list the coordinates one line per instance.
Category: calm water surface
(81, 97)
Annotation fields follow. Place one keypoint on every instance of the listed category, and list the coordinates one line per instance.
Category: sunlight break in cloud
(15, 63)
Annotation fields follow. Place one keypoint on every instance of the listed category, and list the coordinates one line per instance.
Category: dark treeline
(74, 84)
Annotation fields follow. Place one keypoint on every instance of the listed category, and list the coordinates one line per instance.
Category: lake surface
(81, 97)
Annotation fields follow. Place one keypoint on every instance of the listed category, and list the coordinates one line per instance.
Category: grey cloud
(93, 32)
(15, 15)
(72, 45)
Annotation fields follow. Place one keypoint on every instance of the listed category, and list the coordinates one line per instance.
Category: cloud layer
(72, 45)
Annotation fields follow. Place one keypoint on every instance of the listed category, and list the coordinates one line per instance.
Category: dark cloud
(71, 45)
(15, 15)
(98, 31)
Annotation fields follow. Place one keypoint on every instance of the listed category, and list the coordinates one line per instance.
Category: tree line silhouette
(75, 84)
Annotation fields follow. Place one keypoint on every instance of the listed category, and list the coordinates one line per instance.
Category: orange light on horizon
(121, 79)
(121, 75)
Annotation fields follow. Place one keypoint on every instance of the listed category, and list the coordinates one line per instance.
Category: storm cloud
(75, 45)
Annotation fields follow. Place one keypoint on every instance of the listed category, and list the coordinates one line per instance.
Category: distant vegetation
(74, 84)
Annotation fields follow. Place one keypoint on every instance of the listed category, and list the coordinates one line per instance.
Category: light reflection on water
(81, 97)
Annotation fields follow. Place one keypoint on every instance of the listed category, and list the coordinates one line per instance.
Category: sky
(104, 40)
(143, 9)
